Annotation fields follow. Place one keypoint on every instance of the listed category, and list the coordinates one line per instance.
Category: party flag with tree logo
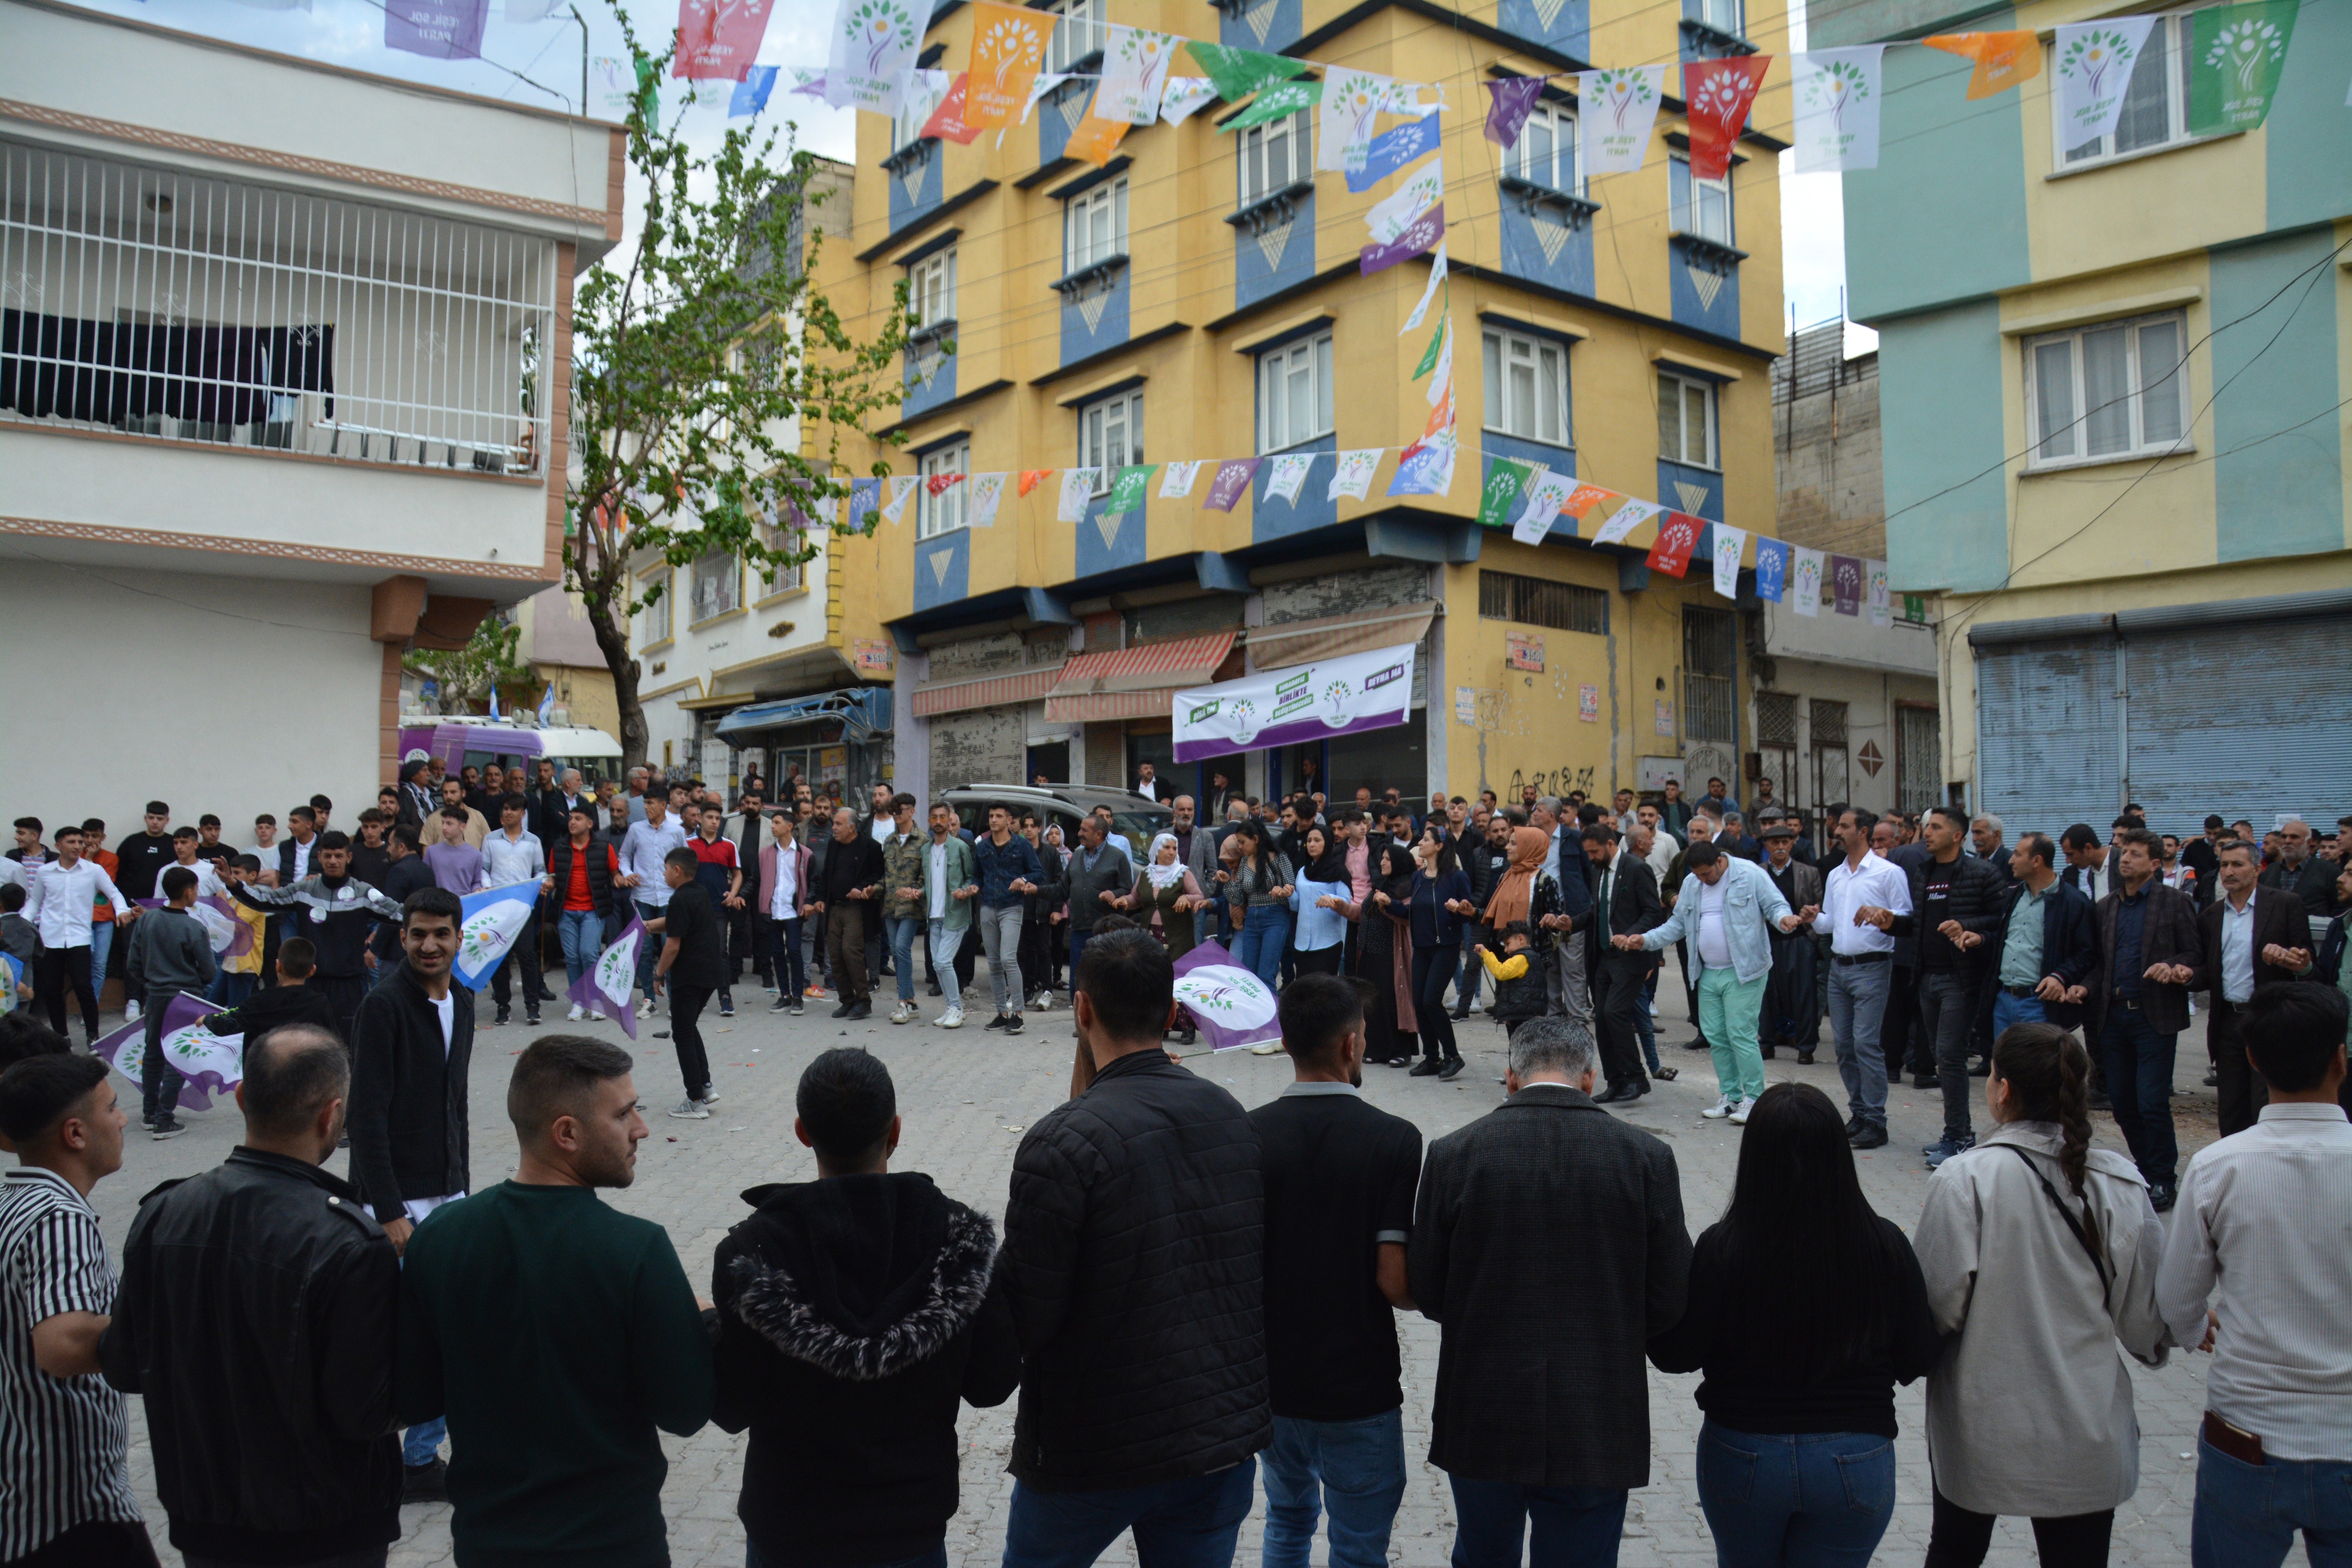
(1276, 103)
(2234, 60)
(1134, 74)
(2095, 71)
(1008, 45)
(1237, 73)
(1126, 490)
(1620, 108)
(1506, 477)
(1715, 94)
(1677, 537)
(1836, 93)
(2002, 59)
(1351, 101)
(875, 43)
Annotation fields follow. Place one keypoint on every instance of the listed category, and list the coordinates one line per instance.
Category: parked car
(1136, 816)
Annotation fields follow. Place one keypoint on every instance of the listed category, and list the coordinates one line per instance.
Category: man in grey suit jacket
(1549, 1244)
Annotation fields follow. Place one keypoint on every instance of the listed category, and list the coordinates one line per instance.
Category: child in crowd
(1518, 984)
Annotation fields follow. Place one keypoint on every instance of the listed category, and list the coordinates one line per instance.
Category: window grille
(1540, 601)
(1710, 672)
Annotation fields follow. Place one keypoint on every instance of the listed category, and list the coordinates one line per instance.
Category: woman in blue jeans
(1796, 1461)
(1259, 894)
(1441, 899)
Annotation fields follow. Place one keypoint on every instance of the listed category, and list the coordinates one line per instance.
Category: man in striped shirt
(65, 1487)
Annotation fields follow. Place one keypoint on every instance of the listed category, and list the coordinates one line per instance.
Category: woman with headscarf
(1166, 893)
(1318, 895)
(1384, 956)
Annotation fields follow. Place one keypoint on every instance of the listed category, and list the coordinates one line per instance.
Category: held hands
(1626, 943)
(400, 1230)
(1872, 915)
(1461, 905)
(2170, 973)
(859, 893)
(1110, 898)
(1810, 913)
(2078, 994)
(1952, 931)
(2296, 958)
(1021, 885)
(1380, 898)
(2051, 990)
(627, 881)
(1553, 923)
(1791, 923)
(1284, 891)
(1327, 902)
(910, 893)
(964, 893)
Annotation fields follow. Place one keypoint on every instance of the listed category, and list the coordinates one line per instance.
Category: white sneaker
(574, 1016)
(691, 1111)
(645, 1007)
(131, 1012)
(1721, 1109)
(902, 1013)
(711, 1095)
(950, 1019)
(1739, 1115)
(1266, 1048)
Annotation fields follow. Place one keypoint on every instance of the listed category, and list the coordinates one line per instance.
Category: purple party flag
(1232, 483)
(1232, 1007)
(608, 985)
(1845, 582)
(1515, 100)
(439, 29)
(1392, 150)
(208, 1064)
(1419, 236)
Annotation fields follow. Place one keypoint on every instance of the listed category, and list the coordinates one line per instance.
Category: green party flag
(2234, 60)
(1126, 490)
(1429, 356)
(1506, 477)
(1237, 73)
(1288, 97)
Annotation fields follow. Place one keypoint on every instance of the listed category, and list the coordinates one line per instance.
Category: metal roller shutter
(2049, 735)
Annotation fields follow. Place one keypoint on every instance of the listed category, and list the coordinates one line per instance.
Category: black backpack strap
(2090, 1248)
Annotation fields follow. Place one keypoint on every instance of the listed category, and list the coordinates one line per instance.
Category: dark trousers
(1326, 960)
(96, 1543)
(749, 930)
(159, 1081)
(1561, 1526)
(967, 954)
(1959, 1539)
(526, 956)
(1616, 991)
(342, 993)
(2243, 1091)
(1948, 1007)
(1690, 998)
(1035, 956)
(59, 969)
(2139, 1088)
(1433, 969)
(686, 1004)
(1899, 1035)
(784, 958)
(1793, 1015)
(1079, 935)
(844, 947)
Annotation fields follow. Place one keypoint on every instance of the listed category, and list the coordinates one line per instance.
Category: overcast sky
(539, 63)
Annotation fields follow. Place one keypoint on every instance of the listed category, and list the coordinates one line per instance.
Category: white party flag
(1807, 576)
(1882, 605)
(1541, 497)
(1185, 94)
(1354, 480)
(1343, 125)
(874, 43)
(1618, 108)
(1077, 490)
(987, 492)
(1134, 74)
(1730, 543)
(1289, 473)
(1176, 481)
(1836, 93)
(1429, 293)
(1625, 519)
(2095, 71)
(1422, 189)
(1040, 84)
(901, 490)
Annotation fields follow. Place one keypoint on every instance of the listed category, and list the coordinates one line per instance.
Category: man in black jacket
(406, 873)
(1625, 903)
(260, 1297)
(1133, 1245)
(410, 1047)
(2139, 1002)
(2248, 936)
(2310, 878)
(2047, 947)
(849, 889)
(856, 1312)
(1954, 896)
(1549, 1244)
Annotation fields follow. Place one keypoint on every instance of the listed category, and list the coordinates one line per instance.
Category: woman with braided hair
(2040, 1255)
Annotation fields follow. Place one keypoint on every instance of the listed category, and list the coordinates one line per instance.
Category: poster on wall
(1588, 704)
(1465, 705)
(873, 655)
(1304, 702)
(1661, 717)
(1523, 650)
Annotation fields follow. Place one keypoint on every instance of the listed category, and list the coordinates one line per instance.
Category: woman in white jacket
(2040, 1255)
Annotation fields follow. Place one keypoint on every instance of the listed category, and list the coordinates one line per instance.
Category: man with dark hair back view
(1340, 1179)
(260, 1297)
(171, 955)
(293, 999)
(856, 1312)
(554, 1333)
(1133, 1242)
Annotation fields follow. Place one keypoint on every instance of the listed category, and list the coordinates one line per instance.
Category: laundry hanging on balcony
(108, 373)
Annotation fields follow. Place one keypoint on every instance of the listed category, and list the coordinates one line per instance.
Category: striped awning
(987, 691)
(1332, 636)
(1154, 666)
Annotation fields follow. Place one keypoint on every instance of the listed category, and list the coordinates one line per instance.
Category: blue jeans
(2247, 1516)
(421, 1444)
(229, 990)
(1191, 1523)
(1816, 1500)
(102, 943)
(1079, 935)
(944, 945)
(2139, 1088)
(1575, 1527)
(581, 933)
(648, 950)
(1353, 1470)
(903, 930)
(1265, 932)
(2008, 1010)
(937, 1557)
(1857, 1007)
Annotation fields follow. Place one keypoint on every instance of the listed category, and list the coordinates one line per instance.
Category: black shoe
(1698, 1045)
(1853, 1124)
(1425, 1067)
(1768, 1052)
(1869, 1136)
(2099, 1101)
(1621, 1094)
(1981, 1068)
(1397, 1062)
(424, 1483)
(1453, 1065)
(863, 1010)
(937, 992)
(505, 1016)
(2212, 1077)
(2162, 1195)
(1012, 1024)
(843, 1010)
(531, 1017)
(996, 1023)
(168, 1127)
(1667, 1075)
(1925, 1081)
(1185, 1038)
(1804, 1058)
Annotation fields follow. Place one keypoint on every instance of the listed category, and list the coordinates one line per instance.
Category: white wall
(229, 695)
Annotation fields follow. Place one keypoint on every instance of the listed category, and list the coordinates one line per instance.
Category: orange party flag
(1008, 45)
(1030, 479)
(1095, 139)
(2003, 59)
(1584, 498)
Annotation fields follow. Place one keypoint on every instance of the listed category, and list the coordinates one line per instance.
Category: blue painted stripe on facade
(922, 396)
(1939, 411)
(1270, 25)
(914, 191)
(1272, 519)
(1562, 25)
(1705, 295)
(1541, 245)
(1268, 262)
(1108, 542)
(1097, 322)
(942, 569)
(2274, 369)
(1704, 485)
(1058, 114)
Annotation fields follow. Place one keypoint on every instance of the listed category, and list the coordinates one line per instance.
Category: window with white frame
(1273, 155)
(943, 512)
(1702, 207)
(1686, 421)
(1095, 225)
(931, 288)
(1110, 436)
(1545, 154)
(716, 586)
(1723, 15)
(781, 532)
(913, 115)
(2112, 390)
(2155, 102)
(654, 619)
(1527, 386)
(1293, 393)
(1079, 34)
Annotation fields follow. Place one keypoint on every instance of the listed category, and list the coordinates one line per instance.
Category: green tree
(693, 348)
(469, 674)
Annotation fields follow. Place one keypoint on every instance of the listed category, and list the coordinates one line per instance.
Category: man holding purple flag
(171, 955)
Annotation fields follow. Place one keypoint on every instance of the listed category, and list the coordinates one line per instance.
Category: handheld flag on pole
(606, 987)
(493, 919)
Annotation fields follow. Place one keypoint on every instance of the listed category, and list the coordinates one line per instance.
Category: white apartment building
(281, 378)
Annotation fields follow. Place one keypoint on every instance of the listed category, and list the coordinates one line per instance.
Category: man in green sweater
(555, 1333)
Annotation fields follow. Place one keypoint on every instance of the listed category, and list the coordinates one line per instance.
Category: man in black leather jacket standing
(259, 1298)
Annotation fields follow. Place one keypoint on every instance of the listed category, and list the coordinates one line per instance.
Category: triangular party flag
(1078, 489)
(488, 928)
(1428, 293)
(1547, 493)
(442, 29)
(1677, 537)
(1134, 73)
(1836, 95)
(1237, 73)
(1176, 483)
(2236, 53)
(1275, 102)
(1729, 543)
(1846, 583)
(1008, 45)
(1289, 473)
(1126, 490)
(1429, 356)
(1620, 108)
(865, 501)
(1421, 190)
(1875, 575)
(1511, 101)
(1185, 94)
(1354, 480)
(1424, 231)
(987, 495)
(1392, 150)
(939, 484)
(2095, 71)
(718, 39)
(1096, 139)
(1581, 501)
(811, 83)
(1441, 415)
(1441, 381)
(1715, 94)
(1029, 477)
(1771, 569)
(947, 121)
(1232, 483)
(751, 95)
(902, 489)
(2002, 59)
(1498, 498)
(1039, 86)
(1425, 467)
(1806, 575)
(1632, 514)
(1351, 101)
(608, 985)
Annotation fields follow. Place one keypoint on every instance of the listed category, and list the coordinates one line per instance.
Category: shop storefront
(840, 741)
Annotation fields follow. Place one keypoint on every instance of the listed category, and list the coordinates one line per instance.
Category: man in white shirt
(2265, 1219)
(509, 855)
(1147, 785)
(1861, 961)
(642, 850)
(2087, 865)
(58, 897)
(1664, 846)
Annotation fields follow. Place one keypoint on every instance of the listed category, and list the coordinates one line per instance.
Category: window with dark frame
(1541, 602)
